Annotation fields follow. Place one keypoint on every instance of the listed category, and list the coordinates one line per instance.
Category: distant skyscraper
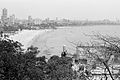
(29, 19)
(4, 15)
(12, 19)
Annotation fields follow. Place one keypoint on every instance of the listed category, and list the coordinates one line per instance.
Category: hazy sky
(71, 9)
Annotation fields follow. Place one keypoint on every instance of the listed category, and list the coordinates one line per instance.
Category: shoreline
(25, 36)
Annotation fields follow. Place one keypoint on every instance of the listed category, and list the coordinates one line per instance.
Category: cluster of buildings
(5, 19)
(47, 23)
(12, 20)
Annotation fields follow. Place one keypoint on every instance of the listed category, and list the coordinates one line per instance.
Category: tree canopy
(16, 64)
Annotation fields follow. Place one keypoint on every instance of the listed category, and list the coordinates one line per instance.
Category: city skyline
(69, 9)
(12, 18)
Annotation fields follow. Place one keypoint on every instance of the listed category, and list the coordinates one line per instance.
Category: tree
(32, 67)
(18, 65)
(8, 60)
(103, 51)
(60, 68)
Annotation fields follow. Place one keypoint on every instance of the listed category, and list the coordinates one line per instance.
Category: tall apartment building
(12, 19)
(29, 19)
(4, 15)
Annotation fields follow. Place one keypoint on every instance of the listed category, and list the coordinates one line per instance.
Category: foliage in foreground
(15, 64)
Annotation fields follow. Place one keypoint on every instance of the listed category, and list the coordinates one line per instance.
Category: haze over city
(70, 9)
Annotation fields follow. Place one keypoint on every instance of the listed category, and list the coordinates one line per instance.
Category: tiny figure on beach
(1, 34)
(64, 53)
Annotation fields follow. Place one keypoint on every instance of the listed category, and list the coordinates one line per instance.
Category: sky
(69, 9)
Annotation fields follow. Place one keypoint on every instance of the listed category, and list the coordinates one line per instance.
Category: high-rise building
(12, 19)
(4, 15)
(30, 20)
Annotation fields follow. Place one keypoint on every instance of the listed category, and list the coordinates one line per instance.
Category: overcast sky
(70, 9)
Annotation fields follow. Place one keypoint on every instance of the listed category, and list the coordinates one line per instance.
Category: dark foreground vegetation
(15, 64)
